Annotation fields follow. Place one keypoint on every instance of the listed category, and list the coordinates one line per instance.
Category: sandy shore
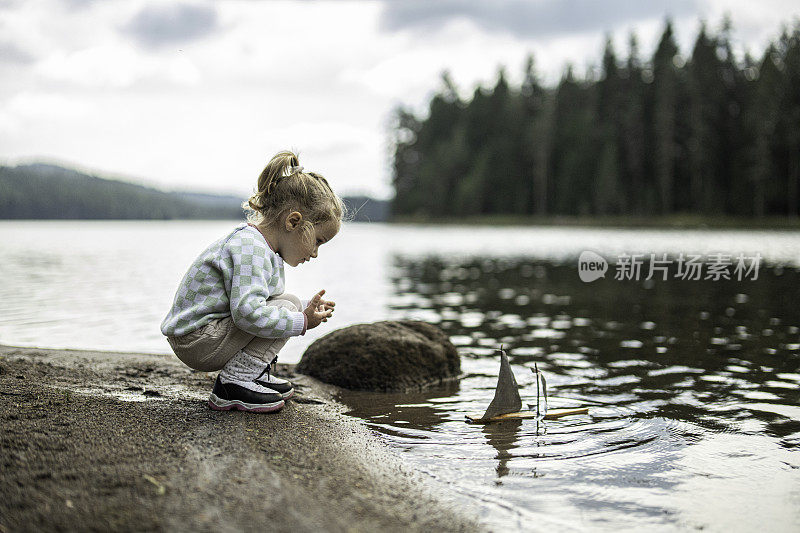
(101, 440)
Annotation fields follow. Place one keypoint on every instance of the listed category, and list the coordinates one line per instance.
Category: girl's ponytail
(283, 185)
(283, 165)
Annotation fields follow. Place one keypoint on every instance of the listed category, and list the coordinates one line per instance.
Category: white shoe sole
(218, 404)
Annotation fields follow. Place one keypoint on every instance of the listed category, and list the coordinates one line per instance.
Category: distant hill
(366, 209)
(44, 191)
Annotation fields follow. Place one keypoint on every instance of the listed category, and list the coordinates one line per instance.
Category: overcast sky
(197, 95)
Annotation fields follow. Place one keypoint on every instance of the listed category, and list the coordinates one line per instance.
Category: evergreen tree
(767, 168)
(570, 157)
(408, 190)
(633, 142)
(706, 123)
(505, 182)
(665, 109)
(609, 114)
(790, 118)
(760, 117)
(535, 140)
(734, 140)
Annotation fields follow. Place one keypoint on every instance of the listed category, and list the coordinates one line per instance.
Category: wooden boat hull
(521, 415)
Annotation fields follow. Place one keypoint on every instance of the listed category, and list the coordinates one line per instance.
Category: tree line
(709, 134)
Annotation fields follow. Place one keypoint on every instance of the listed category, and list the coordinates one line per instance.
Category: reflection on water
(693, 385)
(694, 389)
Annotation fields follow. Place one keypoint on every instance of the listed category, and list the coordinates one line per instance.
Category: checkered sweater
(234, 277)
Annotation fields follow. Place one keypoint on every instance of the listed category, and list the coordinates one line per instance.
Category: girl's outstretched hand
(318, 310)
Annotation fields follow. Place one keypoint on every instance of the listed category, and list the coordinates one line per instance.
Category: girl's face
(300, 246)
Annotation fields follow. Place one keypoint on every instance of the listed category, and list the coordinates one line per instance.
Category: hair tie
(291, 171)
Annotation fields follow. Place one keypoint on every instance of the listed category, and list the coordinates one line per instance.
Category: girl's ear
(293, 220)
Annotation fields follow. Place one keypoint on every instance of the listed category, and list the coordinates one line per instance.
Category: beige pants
(211, 346)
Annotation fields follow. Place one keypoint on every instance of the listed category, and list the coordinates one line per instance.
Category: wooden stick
(521, 415)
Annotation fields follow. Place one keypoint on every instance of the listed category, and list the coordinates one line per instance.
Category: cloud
(53, 106)
(164, 24)
(529, 18)
(116, 67)
(79, 4)
(11, 53)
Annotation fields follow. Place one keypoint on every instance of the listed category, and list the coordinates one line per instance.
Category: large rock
(383, 356)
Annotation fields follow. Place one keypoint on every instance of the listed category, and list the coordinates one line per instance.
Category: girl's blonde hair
(283, 187)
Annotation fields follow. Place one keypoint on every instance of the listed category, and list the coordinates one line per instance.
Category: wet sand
(101, 440)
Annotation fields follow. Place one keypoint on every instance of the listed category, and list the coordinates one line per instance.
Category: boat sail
(507, 403)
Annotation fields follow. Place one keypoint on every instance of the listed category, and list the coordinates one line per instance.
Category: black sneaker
(227, 396)
(281, 386)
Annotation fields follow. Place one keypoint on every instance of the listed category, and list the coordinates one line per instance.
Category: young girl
(230, 311)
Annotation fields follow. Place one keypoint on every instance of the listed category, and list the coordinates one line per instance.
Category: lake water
(693, 384)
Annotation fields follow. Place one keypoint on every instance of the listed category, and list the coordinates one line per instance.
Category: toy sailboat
(507, 404)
